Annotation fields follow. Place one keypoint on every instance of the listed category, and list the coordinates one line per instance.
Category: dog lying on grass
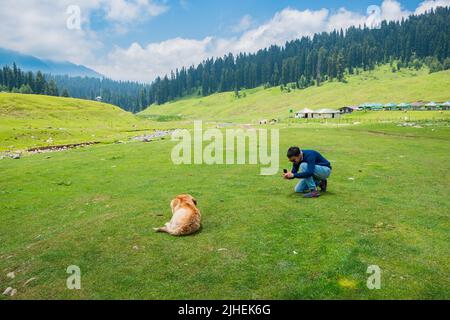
(186, 218)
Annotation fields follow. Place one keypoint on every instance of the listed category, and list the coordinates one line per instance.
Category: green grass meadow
(28, 121)
(96, 207)
(388, 205)
(377, 86)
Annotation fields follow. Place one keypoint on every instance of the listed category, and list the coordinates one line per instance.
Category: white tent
(306, 110)
(305, 113)
(446, 105)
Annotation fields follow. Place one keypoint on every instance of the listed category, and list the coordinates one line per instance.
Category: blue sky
(141, 39)
(201, 18)
(205, 17)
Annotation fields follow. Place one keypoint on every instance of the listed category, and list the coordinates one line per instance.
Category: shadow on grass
(300, 195)
(196, 233)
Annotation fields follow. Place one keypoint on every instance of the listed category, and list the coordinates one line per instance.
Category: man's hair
(293, 152)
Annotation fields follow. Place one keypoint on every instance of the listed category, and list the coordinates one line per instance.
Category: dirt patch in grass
(60, 147)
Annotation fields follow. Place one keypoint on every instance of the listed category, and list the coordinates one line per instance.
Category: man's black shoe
(312, 194)
(323, 185)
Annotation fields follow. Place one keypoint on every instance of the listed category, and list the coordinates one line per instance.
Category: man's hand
(288, 175)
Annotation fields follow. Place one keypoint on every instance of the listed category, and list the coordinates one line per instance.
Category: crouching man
(314, 171)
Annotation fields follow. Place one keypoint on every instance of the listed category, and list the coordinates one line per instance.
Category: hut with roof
(445, 105)
(377, 107)
(304, 114)
(348, 109)
(365, 106)
(417, 105)
(431, 105)
(372, 106)
(404, 106)
(327, 114)
(390, 106)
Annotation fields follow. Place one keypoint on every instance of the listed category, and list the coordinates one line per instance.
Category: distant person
(314, 171)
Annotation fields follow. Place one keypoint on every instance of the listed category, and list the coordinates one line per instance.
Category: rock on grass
(10, 291)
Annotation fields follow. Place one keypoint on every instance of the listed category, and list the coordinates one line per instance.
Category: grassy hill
(380, 85)
(35, 120)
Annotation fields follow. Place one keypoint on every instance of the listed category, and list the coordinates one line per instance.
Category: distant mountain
(30, 63)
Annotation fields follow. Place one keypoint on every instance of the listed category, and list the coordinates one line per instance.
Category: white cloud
(427, 5)
(287, 24)
(392, 10)
(345, 19)
(129, 11)
(244, 24)
(157, 59)
(144, 63)
(39, 27)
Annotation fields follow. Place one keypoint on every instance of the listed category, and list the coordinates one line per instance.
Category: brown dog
(185, 217)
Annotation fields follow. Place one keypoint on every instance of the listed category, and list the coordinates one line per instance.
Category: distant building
(349, 109)
(377, 107)
(327, 114)
(431, 105)
(445, 105)
(417, 105)
(390, 106)
(99, 99)
(404, 106)
(372, 106)
(304, 114)
(318, 114)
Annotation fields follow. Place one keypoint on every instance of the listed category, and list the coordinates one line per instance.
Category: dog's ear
(175, 203)
(194, 200)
